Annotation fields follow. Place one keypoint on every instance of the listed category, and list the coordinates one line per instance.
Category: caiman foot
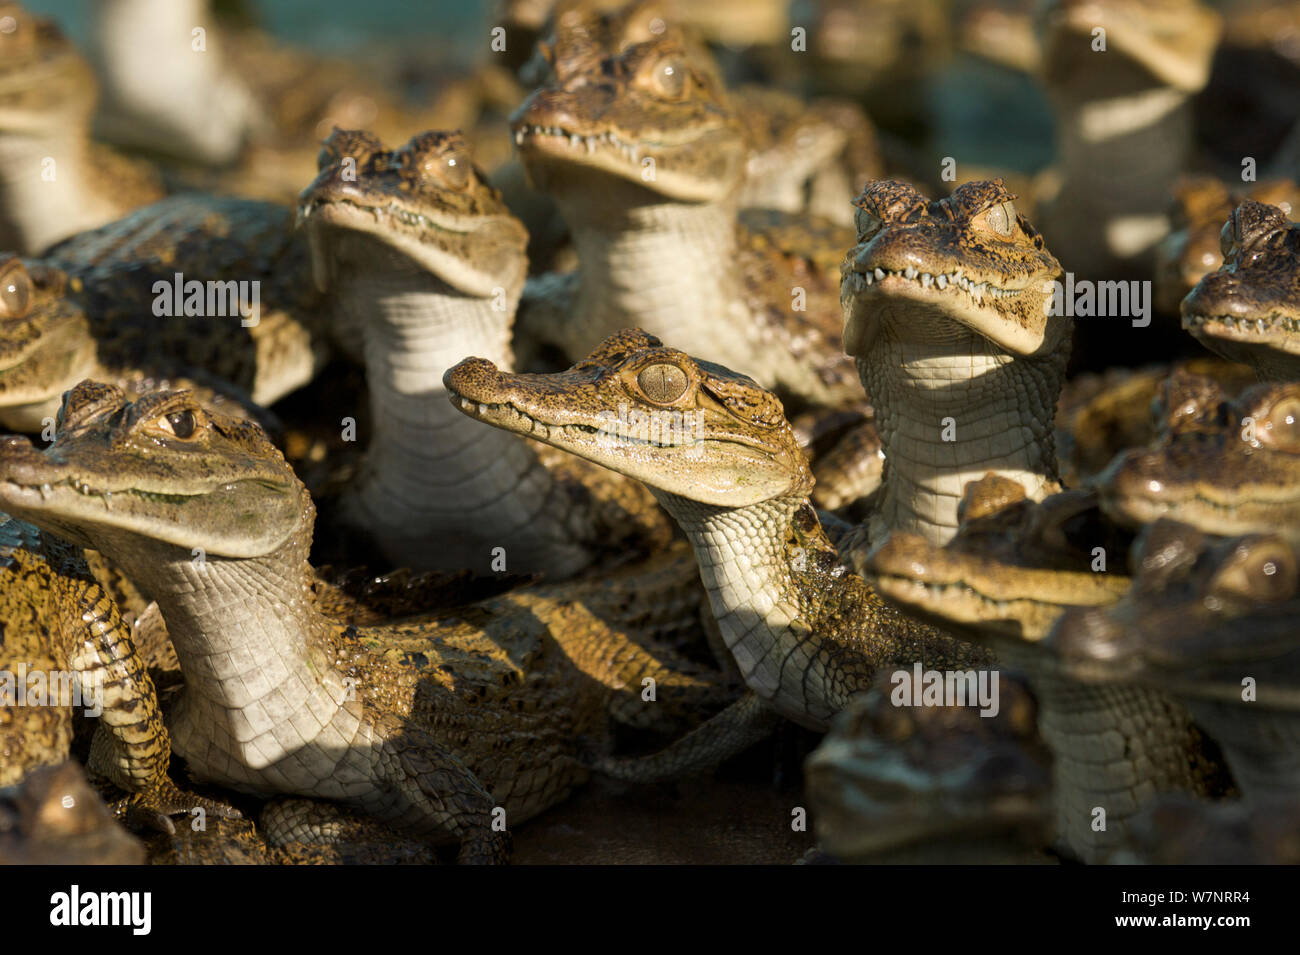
(154, 807)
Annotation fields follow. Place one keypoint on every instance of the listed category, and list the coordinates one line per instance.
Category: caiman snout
(476, 379)
(1218, 293)
(20, 461)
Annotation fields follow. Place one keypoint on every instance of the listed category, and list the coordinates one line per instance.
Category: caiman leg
(131, 746)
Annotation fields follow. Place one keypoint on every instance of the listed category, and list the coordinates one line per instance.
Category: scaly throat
(439, 489)
(255, 656)
(667, 267)
(950, 407)
(46, 192)
(1119, 157)
(806, 633)
(204, 108)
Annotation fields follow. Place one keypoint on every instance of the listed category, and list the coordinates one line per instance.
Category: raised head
(971, 258)
(652, 116)
(1249, 310)
(1234, 469)
(424, 205)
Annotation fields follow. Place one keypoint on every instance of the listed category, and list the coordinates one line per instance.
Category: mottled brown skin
(933, 784)
(87, 308)
(425, 263)
(1005, 580)
(1212, 621)
(1013, 566)
(1201, 206)
(946, 314)
(47, 95)
(449, 715)
(1249, 310)
(803, 155)
(658, 240)
(1216, 470)
(805, 633)
(55, 618)
(426, 198)
(1202, 611)
(976, 231)
(651, 97)
(1101, 415)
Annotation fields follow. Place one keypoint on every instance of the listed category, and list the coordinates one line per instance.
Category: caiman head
(424, 206)
(1203, 612)
(1192, 249)
(1013, 567)
(45, 85)
(46, 345)
(965, 266)
(1233, 469)
(891, 777)
(651, 117)
(578, 34)
(683, 426)
(1249, 310)
(158, 479)
(1148, 43)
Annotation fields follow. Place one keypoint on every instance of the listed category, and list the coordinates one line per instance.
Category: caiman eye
(179, 424)
(1228, 242)
(1282, 426)
(15, 291)
(669, 77)
(867, 223)
(662, 383)
(453, 169)
(1258, 570)
(1001, 218)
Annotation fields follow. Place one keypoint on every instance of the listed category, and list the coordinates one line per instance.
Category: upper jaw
(974, 301)
(703, 463)
(49, 490)
(1217, 309)
(480, 256)
(549, 135)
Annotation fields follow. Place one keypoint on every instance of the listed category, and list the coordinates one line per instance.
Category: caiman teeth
(865, 279)
(1258, 326)
(391, 209)
(630, 150)
(538, 429)
(86, 490)
(943, 593)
